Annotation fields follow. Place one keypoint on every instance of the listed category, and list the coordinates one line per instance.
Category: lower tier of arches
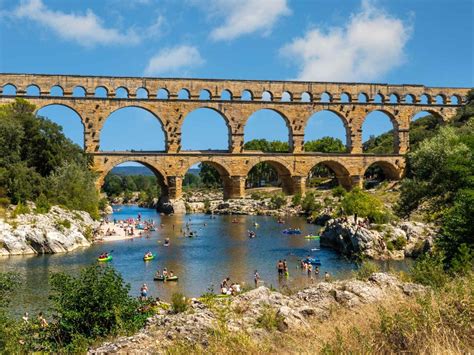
(292, 170)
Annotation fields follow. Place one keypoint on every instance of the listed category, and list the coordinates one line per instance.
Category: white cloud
(173, 60)
(371, 44)
(243, 17)
(86, 29)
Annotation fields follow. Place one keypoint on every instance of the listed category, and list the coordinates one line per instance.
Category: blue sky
(405, 41)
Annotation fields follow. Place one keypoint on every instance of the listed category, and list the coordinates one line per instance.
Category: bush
(179, 303)
(400, 242)
(277, 200)
(63, 223)
(4, 202)
(339, 191)
(207, 204)
(296, 200)
(93, 305)
(270, 319)
(42, 204)
(428, 270)
(365, 205)
(20, 209)
(310, 205)
(366, 269)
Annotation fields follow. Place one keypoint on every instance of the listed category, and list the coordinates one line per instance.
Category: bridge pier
(175, 187)
(234, 187)
(299, 185)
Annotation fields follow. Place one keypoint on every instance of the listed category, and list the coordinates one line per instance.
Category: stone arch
(425, 99)
(341, 173)
(363, 97)
(10, 89)
(226, 94)
(141, 93)
(56, 91)
(418, 113)
(306, 97)
(160, 175)
(101, 91)
(122, 93)
(267, 96)
(346, 140)
(394, 98)
(184, 94)
(141, 108)
(163, 94)
(33, 90)
(282, 116)
(393, 129)
(440, 99)
(326, 97)
(345, 97)
(205, 94)
(283, 172)
(68, 129)
(409, 99)
(220, 114)
(379, 98)
(455, 100)
(286, 96)
(79, 91)
(247, 95)
(388, 170)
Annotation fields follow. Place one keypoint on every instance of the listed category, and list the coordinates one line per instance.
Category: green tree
(93, 305)
(325, 145)
(209, 175)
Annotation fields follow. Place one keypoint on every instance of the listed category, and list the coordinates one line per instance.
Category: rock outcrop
(248, 311)
(385, 241)
(57, 231)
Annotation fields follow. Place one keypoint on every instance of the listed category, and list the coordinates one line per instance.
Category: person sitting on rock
(327, 277)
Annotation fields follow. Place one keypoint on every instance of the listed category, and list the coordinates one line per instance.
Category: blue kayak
(313, 261)
(291, 231)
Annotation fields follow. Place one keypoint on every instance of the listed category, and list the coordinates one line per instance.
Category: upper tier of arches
(235, 90)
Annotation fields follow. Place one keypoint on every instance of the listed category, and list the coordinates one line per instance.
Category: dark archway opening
(379, 173)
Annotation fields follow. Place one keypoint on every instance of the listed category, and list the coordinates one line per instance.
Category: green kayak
(108, 258)
(148, 258)
(310, 236)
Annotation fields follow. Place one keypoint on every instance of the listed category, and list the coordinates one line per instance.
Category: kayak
(291, 231)
(162, 278)
(108, 258)
(310, 236)
(148, 258)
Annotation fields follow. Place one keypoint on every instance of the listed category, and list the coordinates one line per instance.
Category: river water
(221, 249)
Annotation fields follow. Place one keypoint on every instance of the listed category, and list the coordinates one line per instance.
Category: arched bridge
(170, 100)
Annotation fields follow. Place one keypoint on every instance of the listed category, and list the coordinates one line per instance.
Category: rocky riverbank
(57, 231)
(378, 241)
(257, 313)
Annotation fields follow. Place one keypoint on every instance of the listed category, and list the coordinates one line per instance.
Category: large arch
(330, 169)
(68, 118)
(256, 127)
(133, 128)
(162, 193)
(380, 170)
(327, 123)
(205, 122)
(283, 173)
(380, 133)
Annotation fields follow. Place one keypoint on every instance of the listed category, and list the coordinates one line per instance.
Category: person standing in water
(327, 277)
(285, 268)
(256, 278)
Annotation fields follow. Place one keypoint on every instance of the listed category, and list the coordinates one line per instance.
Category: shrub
(339, 191)
(207, 204)
(400, 242)
(4, 202)
(310, 204)
(365, 205)
(93, 305)
(366, 269)
(42, 204)
(63, 223)
(428, 270)
(179, 303)
(20, 209)
(270, 319)
(277, 200)
(296, 200)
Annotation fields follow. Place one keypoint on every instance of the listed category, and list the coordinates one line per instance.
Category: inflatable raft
(108, 258)
(162, 278)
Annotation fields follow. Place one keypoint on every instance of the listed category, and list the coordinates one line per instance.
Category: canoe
(105, 259)
(148, 258)
(291, 231)
(161, 278)
(310, 236)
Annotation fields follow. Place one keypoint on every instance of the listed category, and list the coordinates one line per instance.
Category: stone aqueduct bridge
(302, 100)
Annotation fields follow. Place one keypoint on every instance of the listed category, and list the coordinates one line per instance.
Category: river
(221, 249)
